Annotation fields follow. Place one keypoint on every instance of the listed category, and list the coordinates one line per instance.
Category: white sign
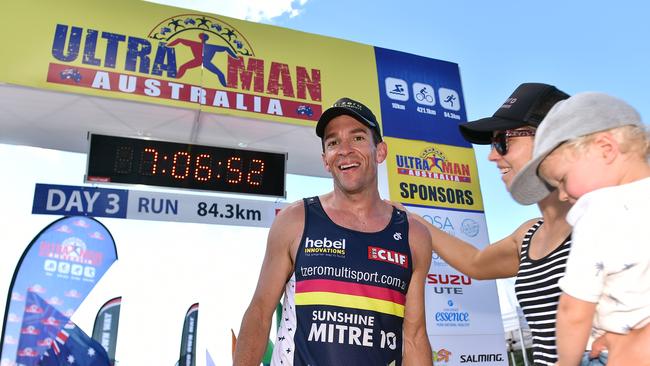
(52, 199)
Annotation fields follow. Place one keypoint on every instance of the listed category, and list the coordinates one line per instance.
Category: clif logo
(389, 256)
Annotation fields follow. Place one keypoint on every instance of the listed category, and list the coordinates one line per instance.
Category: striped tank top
(344, 304)
(538, 294)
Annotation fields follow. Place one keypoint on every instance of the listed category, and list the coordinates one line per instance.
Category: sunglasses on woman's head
(500, 139)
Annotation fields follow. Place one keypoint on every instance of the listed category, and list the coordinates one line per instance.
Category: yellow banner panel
(433, 175)
(144, 52)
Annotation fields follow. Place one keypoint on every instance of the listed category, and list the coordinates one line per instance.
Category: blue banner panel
(53, 199)
(62, 265)
(421, 98)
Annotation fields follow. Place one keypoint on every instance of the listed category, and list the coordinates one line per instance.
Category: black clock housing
(113, 159)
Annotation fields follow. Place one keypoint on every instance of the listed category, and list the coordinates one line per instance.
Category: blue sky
(575, 45)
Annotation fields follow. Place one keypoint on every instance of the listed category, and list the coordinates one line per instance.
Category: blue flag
(73, 347)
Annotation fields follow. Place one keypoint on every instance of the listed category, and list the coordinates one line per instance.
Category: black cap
(527, 106)
(353, 109)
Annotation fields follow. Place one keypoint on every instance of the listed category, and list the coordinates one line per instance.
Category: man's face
(351, 155)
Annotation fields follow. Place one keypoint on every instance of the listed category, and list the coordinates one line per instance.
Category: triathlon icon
(203, 53)
(449, 99)
(396, 89)
(424, 94)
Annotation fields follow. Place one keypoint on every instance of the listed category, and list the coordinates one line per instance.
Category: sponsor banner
(188, 338)
(51, 199)
(484, 350)
(61, 265)
(433, 175)
(465, 225)
(107, 323)
(151, 53)
(456, 304)
(421, 98)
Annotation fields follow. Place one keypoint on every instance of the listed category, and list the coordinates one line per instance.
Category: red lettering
(305, 83)
(252, 73)
(280, 78)
(435, 279)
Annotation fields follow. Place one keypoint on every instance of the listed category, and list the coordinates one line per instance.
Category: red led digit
(233, 170)
(149, 161)
(181, 162)
(202, 172)
(256, 172)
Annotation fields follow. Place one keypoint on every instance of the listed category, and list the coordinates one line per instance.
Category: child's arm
(574, 318)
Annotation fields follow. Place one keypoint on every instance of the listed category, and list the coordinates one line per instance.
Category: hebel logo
(389, 256)
(325, 246)
(325, 243)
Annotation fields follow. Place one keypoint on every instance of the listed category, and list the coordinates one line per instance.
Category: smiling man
(352, 267)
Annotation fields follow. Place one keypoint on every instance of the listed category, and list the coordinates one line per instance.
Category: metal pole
(523, 346)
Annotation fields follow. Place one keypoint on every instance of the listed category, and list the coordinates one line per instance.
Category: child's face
(572, 172)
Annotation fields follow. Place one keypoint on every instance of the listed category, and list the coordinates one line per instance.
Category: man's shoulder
(418, 234)
(290, 213)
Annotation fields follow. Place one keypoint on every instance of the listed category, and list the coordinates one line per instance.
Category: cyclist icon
(424, 95)
(203, 53)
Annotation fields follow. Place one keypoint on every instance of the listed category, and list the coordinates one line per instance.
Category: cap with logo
(580, 115)
(527, 106)
(352, 108)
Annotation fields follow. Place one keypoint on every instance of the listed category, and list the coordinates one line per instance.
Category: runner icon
(203, 53)
(450, 99)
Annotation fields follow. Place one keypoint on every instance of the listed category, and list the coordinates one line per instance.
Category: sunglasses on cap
(500, 139)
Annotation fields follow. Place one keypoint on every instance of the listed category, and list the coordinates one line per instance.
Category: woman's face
(519, 152)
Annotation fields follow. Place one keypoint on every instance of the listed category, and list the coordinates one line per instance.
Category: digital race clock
(170, 164)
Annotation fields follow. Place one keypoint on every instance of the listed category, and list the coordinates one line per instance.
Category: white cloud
(253, 10)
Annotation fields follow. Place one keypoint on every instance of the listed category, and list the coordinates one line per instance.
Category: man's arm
(574, 318)
(276, 269)
(498, 260)
(417, 350)
(182, 41)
